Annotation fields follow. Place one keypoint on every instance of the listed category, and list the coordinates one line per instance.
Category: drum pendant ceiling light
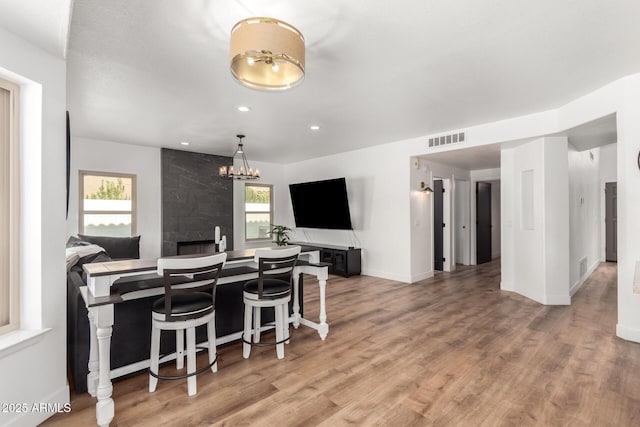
(267, 54)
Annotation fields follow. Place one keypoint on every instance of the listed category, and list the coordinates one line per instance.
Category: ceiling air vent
(446, 139)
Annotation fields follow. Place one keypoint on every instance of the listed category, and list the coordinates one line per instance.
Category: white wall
(35, 372)
(144, 162)
(421, 221)
(523, 265)
(607, 173)
(608, 163)
(422, 216)
(462, 221)
(496, 224)
(535, 260)
(270, 173)
(380, 198)
(628, 127)
(556, 221)
(508, 192)
(584, 214)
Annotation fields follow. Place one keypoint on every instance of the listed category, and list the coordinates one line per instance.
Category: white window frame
(10, 215)
(134, 198)
(246, 212)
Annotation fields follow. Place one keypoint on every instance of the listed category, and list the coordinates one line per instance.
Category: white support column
(295, 317)
(323, 329)
(94, 364)
(103, 318)
(628, 127)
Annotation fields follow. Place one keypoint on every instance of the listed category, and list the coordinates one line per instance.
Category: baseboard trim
(389, 276)
(504, 286)
(38, 412)
(422, 276)
(557, 300)
(628, 333)
(578, 284)
(398, 277)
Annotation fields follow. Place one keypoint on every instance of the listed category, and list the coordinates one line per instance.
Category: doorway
(438, 224)
(611, 221)
(483, 222)
(462, 221)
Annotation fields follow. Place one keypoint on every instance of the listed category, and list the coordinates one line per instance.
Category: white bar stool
(272, 288)
(184, 307)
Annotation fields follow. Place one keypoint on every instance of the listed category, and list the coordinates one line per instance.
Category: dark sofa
(131, 336)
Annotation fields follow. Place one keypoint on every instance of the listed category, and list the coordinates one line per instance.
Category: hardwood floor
(450, 350)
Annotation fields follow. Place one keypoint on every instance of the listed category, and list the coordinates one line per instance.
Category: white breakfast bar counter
(100, 299)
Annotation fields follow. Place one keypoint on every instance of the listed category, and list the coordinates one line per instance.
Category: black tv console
(345, 261)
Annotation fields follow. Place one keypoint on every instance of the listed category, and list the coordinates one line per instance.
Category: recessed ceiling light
(184, 143)
(314, 127)
(244, 108)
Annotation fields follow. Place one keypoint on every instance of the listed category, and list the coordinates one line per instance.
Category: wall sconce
(425, 188)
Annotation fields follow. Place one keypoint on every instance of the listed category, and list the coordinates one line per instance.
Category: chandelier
(267, 54)
(243, 170)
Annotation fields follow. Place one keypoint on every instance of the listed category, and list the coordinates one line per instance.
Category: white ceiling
(156, 72)
(593, 134)
(44, 23)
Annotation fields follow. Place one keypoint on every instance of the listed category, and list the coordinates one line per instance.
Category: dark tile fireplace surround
(194, 201)
(196, 247)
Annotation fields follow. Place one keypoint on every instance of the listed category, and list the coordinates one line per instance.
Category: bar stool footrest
(181, 377)
(267, 344)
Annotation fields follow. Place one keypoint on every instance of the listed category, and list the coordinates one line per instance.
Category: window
(258, 211)
(107, 204)
(9, 204)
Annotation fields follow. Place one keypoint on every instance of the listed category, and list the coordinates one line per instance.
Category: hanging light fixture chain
(244, 172)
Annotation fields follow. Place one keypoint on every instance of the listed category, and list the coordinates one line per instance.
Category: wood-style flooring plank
(450, 350)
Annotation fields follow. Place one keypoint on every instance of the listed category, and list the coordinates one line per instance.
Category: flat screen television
(321, 204)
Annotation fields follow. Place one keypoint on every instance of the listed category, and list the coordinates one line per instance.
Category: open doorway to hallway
(554, 193)
(611, 221)
(488, 224)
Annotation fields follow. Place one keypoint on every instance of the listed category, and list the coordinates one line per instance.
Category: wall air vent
(446, 139)
(583, 266)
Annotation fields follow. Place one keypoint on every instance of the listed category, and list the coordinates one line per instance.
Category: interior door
(461, 222)
(438, 234)
(611, 221)
(483, 222)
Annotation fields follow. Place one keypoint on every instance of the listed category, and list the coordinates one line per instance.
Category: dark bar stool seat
(185, 306)
(271, 289)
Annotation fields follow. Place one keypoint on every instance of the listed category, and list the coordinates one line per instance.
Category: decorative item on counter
(222, 246)
(216, 238)
(281, 234)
